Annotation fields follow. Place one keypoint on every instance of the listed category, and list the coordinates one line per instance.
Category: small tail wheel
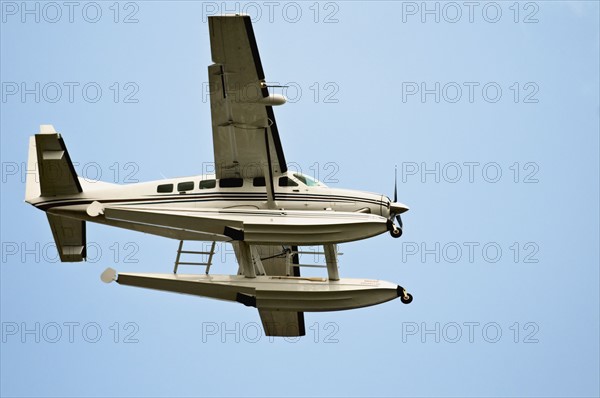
(396, 232)
(406, 298)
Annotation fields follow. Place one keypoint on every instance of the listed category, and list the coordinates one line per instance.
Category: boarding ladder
(206, 264)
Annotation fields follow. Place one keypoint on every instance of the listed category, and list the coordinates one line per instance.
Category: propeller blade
(395, 184)
(399, 220)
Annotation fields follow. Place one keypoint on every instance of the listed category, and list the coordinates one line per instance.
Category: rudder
(55, 172)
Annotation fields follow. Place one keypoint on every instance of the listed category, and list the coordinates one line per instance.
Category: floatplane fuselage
(307, 212)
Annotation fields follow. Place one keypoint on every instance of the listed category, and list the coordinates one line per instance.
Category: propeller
(397, 208)
(398, 218)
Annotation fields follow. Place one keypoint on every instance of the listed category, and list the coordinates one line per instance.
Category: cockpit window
(308, 181)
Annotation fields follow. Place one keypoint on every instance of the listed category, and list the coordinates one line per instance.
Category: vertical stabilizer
(32, 181)
(55, 171)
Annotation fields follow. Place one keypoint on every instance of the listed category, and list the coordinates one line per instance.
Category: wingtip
(47, 129)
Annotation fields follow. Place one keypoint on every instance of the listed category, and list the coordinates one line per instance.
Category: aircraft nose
(398, 208)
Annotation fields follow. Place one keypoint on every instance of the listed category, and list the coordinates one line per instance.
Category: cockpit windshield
(309, 181)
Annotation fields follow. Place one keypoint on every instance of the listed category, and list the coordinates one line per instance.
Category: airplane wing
(245, 137)
(280, 323)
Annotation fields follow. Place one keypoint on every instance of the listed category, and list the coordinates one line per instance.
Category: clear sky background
(500, 248)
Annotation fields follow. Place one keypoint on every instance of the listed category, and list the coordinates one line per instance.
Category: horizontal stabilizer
(282, 323)
(69, 236)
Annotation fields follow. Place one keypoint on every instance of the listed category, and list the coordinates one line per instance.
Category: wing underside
(245, 137)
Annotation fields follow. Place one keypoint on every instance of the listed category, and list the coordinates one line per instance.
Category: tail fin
(55, 172)
(32, 181)
(51, 173)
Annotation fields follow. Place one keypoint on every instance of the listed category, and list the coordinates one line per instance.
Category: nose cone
(398, 208)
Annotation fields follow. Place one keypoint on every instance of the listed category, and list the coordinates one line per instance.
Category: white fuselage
(303, 213)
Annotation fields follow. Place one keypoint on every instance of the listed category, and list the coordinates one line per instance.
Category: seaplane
(252, 201)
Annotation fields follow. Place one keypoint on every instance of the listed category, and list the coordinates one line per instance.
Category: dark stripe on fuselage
(211, 197)
(242, 195)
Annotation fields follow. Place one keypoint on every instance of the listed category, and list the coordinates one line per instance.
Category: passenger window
(185, 186)
(258, 181)
(164, 188)
(208, 184)
(286, 182)
(231, 182)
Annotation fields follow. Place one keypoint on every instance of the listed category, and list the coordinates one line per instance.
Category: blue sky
(490, 112)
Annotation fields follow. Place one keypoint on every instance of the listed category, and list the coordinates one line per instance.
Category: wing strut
(331, 260)
(269, 175)
(244, 253)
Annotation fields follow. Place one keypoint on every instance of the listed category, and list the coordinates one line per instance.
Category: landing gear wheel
(407, 298)
(396, 232)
